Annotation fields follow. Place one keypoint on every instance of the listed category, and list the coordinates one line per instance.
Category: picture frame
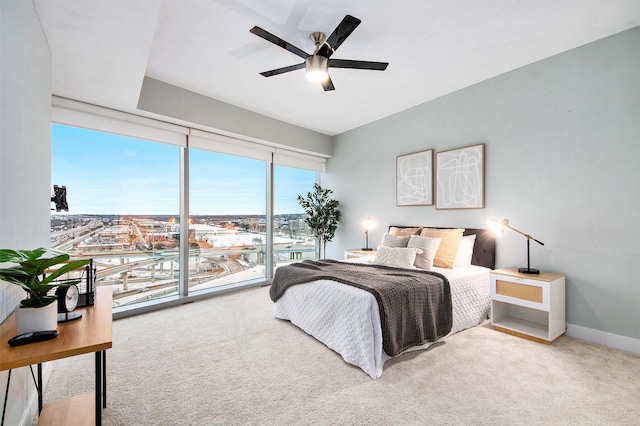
(414, 179)
(460, 178)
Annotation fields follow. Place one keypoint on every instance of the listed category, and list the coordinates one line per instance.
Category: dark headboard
(484, 250)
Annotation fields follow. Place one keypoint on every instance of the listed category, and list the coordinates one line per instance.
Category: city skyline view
(138, 255)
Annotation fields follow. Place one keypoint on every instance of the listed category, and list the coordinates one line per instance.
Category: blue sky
(110, 174)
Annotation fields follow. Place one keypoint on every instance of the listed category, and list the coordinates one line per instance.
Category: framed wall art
(460, 178)
(414, 179)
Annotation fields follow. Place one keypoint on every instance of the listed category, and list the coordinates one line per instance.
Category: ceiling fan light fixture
(317, 68)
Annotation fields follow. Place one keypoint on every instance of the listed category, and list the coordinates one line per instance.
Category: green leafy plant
(29, 274)
(322, 215)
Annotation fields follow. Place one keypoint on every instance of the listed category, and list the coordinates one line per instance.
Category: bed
(347, 319)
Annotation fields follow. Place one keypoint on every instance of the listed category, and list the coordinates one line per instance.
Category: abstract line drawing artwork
(460, 178)
(414, 179)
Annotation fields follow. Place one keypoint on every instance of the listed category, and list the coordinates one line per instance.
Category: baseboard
(615, 341)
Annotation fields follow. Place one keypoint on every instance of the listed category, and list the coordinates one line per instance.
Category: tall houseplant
(29, 274)
(322, 215)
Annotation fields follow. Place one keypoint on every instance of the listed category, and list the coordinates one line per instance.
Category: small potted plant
(33, 274)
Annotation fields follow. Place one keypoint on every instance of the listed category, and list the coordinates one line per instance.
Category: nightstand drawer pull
(519, 291)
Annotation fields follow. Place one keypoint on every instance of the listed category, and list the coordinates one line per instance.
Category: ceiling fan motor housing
(318, 38)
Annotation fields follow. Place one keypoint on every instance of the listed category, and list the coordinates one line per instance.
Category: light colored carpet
(228, 361)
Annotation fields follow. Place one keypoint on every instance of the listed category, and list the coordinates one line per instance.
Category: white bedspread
(347, 319)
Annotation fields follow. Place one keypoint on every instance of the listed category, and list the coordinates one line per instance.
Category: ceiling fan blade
(339, 35)
(282, 70)
(361, 65)
(327, 85)
(278, 42)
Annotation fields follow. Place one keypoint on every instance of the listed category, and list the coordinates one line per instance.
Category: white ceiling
(102, 49)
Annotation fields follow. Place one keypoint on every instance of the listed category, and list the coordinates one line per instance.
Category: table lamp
(497, 226)
(367, 224)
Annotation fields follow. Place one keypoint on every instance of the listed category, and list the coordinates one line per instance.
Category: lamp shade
(497, 226)
(368, 223)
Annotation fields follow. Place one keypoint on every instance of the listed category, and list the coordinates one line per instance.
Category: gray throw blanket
(415, 305)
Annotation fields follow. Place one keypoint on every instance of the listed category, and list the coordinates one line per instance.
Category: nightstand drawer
(519, 291)
(527, 291)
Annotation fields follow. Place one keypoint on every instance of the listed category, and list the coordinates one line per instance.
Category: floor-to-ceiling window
(170, 215)
(123, 200)
(227, 202)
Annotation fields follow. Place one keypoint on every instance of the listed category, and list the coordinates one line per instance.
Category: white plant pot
(29, 320)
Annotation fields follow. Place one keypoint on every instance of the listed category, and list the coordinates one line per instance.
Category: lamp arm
(527, 236)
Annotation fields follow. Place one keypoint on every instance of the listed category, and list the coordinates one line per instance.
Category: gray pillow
(389, 240)
(429, 247)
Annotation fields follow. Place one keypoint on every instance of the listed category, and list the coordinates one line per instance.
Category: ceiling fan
(318, 63)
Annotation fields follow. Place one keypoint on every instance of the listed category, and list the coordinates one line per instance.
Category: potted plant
(322, 215)
(37, 312)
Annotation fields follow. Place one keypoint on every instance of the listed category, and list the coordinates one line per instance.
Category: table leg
(104, 379)
(98, 400)
(39, 388)
(6, 395)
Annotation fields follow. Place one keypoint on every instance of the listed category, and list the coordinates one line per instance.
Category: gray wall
(562, 151)
(25, 159)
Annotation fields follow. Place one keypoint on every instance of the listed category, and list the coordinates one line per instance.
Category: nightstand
(528, 305)
(351, 253)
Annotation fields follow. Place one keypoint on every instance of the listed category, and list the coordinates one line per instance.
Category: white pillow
(389, 240)
(465, 251)
(429, 247)
(398, 257)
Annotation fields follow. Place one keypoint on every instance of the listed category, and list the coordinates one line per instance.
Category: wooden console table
(91, 333)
